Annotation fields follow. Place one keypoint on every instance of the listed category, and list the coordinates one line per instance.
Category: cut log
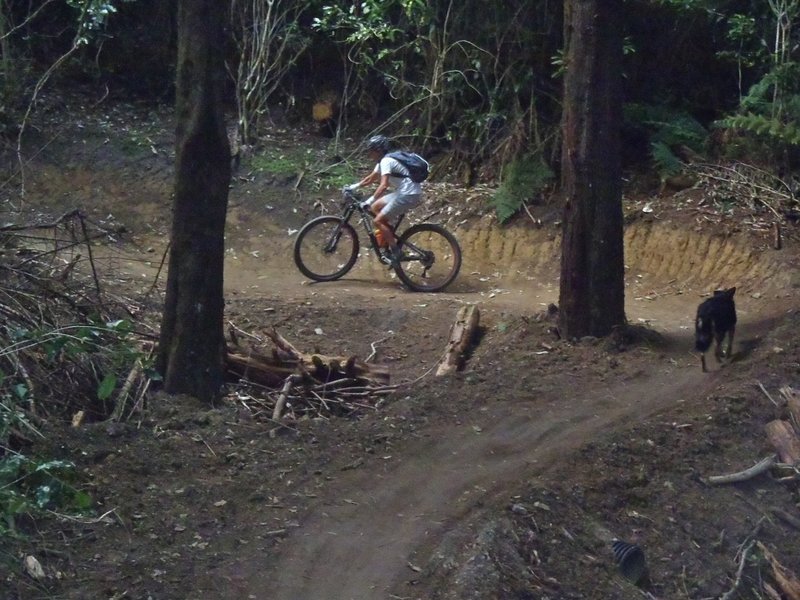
(785, 441)
(325, 112)
(461, 334)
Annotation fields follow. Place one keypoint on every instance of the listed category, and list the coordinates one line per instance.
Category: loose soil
(506, 480)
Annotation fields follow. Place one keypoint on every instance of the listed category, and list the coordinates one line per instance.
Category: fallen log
(461, 334)
(785, 441)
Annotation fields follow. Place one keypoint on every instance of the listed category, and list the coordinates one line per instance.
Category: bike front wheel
(430, 258)
(326, 248)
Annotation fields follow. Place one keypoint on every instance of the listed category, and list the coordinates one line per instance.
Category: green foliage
(665, 159)
(27, 485)
(111, 344)
(766, 127)
(523, 179)
(92, 16)
(374, 34)
(770, 113)
(30, 486)
(667, 129)
(317, 171)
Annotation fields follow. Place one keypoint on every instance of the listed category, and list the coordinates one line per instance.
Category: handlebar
(351, 194)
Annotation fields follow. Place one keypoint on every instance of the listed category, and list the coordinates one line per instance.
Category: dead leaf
(33, 567)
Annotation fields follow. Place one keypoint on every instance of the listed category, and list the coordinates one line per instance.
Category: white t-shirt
(399, 177)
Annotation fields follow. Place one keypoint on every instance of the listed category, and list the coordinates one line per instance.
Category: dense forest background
(477, 83)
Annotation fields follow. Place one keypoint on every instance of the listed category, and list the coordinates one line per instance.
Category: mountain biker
(389, 173)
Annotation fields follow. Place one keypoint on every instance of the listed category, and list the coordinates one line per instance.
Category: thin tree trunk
(592, 299)
(191, 347)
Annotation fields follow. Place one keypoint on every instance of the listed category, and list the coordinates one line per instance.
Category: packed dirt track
(376, 526)
(507, 479)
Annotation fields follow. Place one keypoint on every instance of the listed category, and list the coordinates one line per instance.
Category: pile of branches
(73, 348)
(746, 186)
(295, 385)
(67, 342)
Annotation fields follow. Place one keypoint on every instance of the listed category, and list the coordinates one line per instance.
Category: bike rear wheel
(326, 248)
(430, 258)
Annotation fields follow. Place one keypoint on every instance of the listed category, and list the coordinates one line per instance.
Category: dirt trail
(362, 539)
(362, 551)
(359, 540)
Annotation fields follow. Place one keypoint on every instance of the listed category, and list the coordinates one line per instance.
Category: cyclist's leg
(394, 205)
(378, 207)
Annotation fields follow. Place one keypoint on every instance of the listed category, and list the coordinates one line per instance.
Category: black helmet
(380, 143)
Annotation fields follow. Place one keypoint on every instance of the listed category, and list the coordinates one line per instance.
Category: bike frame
(352, 207)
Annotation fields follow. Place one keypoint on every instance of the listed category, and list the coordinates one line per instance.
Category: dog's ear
(731, 292)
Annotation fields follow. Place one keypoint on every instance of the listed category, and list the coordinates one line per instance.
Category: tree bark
(592, 294)
(191, 345)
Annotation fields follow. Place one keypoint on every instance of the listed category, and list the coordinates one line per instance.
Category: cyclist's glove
(352, 187)
(368, 202)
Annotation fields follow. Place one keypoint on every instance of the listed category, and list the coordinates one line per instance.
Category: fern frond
(523, 179)
(666, 161)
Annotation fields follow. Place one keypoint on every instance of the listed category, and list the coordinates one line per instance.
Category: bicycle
(327, 247)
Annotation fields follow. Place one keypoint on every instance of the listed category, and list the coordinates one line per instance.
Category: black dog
(716, 318)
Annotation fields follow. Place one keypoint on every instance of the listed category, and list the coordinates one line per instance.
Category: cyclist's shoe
(395, 254)
(390, 256)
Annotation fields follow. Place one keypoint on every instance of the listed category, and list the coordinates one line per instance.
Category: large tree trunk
(592, 296)
(191, 346)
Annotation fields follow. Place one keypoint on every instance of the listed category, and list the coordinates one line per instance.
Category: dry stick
(85, 521)
(738, 581)
(374, 349)
(91, 260)
(290, 382)
(785, 517)
(760, 467)
(122, 397)
(766, 393)
(744, 549)
(245, 333)
(787, 581)
(76, 45)
(324, 402)
(140, 396)
(283, 344)
(158, 273)
(527, 210)
(51, 225)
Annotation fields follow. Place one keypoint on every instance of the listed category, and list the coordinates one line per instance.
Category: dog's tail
(702, 334)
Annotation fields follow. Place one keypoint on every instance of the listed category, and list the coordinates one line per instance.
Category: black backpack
(418, 167)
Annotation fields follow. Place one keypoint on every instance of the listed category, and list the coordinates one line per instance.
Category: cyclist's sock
(394, 253)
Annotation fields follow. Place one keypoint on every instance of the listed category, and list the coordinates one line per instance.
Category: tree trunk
(191, 346)
(592, 295)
